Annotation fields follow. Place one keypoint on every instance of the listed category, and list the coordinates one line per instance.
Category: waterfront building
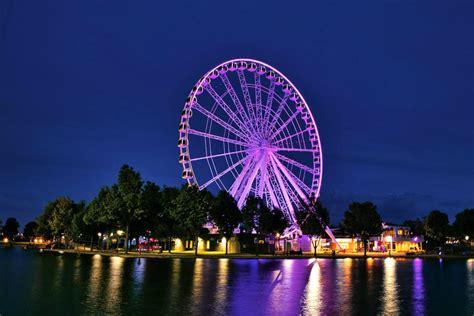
(397, 238)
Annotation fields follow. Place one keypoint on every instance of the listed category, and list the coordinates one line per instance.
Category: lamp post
(99, 244)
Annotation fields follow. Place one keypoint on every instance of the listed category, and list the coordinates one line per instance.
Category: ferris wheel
(246, 129)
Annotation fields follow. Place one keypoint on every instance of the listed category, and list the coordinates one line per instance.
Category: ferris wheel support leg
(331, 235)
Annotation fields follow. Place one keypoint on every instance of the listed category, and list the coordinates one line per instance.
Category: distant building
(397, 239)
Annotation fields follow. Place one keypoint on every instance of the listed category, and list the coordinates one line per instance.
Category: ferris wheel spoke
(285, 124)
(268, 105)
(248, 185)
(289, 137)
(245, 91)
(236, 185)
(235, 99)
(219, 121)
(289, 178)
(218, 176)
(215, 137)
(278, 112)
(258, 96)
(301, 184)
(263, 177)
(271, 193)
(296, 164)
(227, 109)
(283, 189)
(301, 150)
(218, 155)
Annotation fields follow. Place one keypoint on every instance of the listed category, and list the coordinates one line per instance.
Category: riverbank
(221, 255)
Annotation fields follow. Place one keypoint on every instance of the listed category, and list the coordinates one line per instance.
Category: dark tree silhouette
(313, 221)
(30, 230)
(11, 227)
(226, 215)
(362, 219)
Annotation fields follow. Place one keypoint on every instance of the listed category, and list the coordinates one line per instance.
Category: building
(396, 238)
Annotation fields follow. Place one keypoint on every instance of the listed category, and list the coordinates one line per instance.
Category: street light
(467, 238)
(99, 244)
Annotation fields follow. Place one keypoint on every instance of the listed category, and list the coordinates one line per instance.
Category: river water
(53, 284)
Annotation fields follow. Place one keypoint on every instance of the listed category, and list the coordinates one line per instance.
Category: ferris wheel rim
(199, 85)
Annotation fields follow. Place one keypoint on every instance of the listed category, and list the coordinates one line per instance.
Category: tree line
(138, 208)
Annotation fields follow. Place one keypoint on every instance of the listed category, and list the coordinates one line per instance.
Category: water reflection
(113, 291)
(390, 303)
(95, 277)
(312, 301)
(95, 285)
(344, 278)
(222, 285)
(418, 288)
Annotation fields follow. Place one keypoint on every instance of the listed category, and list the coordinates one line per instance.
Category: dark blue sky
(86, 86)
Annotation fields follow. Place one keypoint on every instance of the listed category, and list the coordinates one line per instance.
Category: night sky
(86, 86)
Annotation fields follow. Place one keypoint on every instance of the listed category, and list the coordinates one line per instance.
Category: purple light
(266, 144)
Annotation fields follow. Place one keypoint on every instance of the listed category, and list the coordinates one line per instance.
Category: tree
(168, 226)
(271, 221)
(417, 227)
(250, 213)
(464, 224)
(30, 230)
(313, 221)
(126, 199)
(62, 214)
(436, 226)
(11, 227)
(79, 230)
(98, 216)
(362, 219)
(43, 220)
(151, 203)
(226, 215)
(192, 209)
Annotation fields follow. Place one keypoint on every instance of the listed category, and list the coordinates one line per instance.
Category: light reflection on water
(312, 301)
(390, 303)
(55, 284)
(418, 288)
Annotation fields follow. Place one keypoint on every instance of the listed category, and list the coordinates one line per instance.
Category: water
(53, 284)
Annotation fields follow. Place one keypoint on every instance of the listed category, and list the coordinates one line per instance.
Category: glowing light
(5, 240)
(99, 234)
(467, 238)
(270, 128)
(388, 238)
(120, 232)
(390, 299)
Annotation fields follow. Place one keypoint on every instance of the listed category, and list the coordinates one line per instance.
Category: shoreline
(189, 255)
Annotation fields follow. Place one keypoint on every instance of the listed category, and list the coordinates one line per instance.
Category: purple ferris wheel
(246, 129)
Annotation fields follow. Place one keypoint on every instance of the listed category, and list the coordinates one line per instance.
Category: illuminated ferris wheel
(246, 128)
